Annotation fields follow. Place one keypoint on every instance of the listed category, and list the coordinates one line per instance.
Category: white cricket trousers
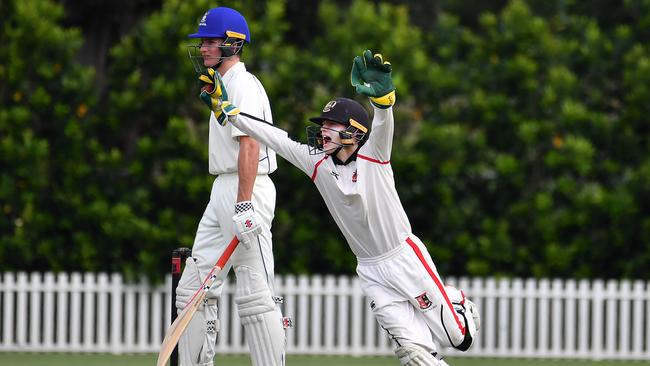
(408, 298)
(216, 230)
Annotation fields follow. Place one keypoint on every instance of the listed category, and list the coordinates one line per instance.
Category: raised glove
(371, 76)
(246, 222)
(215, 96)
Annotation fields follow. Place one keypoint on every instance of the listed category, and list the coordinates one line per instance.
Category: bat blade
(179, 325)
(177, 328)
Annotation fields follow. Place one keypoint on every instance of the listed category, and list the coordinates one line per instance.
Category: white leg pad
(467, 313)
(196, 346)
(410, 354)
(260, 317)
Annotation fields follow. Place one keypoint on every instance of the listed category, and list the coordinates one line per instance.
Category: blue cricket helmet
(223, 22)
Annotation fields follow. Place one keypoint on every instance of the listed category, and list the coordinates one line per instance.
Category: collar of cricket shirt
(234, 70)
(350, 159)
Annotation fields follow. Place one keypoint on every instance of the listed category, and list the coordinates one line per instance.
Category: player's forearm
(277, 139)
(383, 127)
(268, 135)
(247, 163)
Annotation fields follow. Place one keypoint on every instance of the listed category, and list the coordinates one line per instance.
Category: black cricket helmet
(347, 112)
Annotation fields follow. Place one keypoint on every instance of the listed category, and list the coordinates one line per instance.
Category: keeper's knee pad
(197, 344)
(260, 317)
(461, 325)
(410, 354)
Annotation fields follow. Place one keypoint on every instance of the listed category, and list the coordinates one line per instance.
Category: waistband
(235, 175)
(389, 254)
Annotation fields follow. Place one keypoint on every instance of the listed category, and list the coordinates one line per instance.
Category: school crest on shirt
(423, 301)
(354, 177)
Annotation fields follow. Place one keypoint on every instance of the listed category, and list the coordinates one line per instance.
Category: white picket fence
(520, 318)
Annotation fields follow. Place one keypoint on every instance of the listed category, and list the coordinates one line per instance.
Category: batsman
(242, 203)
(348, 159)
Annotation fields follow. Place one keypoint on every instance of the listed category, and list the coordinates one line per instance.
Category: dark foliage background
(521, 145)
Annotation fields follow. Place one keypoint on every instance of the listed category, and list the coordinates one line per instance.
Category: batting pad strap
(197, 345)
(206, 355)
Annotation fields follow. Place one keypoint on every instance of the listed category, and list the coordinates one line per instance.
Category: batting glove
(246, 222)
(215, 96)
(371, 76)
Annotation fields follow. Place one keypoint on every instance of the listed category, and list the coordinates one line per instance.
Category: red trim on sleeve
(313, 175)
(438, 282)
(372, 160)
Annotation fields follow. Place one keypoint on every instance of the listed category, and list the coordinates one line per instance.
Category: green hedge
(521, 149)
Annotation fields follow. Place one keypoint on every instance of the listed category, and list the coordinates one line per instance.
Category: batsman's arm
(247, 162)
(245, 96)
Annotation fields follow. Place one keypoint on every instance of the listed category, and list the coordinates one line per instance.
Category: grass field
(38, 359)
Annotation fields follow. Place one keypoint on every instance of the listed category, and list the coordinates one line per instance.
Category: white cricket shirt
(247, 93)
(361, 195)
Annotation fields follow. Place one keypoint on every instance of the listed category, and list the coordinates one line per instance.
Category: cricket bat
(183, 320)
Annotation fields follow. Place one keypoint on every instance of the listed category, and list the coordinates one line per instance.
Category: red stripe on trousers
(438, 282)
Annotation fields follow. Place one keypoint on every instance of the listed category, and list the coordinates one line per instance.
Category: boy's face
(210, 51)
(331, 138)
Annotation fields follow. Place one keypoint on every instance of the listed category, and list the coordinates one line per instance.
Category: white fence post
(530, 316)
(329, 319)
(544, 324)
(7, 286)
(502, 302)
(343, 311)
(611, 304)
(624, 324)
(637, 325)
(102, 312)
(48, 312)
(356, 317)
(646, 297)
(21, 309)
(62, 324)
(517, 316)
(490, 332)
(34, 309)
(316, 316)
(569, 311)
(598, 315)
(116, 314)
(557, 294)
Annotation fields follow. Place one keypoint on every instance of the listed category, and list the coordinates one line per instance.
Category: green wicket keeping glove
(214, 95)
(229, 111)
(371, 76)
